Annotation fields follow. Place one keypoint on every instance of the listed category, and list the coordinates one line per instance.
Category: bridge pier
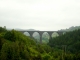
(50, 34)
(40, 33)
(31, 35)
(40, 39)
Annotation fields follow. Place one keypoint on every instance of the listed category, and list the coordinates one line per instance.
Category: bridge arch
(54, 34)
(36, 35)
(42, 32)
(26, 33)
(45, 36)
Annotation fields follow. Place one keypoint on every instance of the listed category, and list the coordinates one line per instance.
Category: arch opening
(64, 33)
(36, 36)
(45, 37)
(26, 33)
(54, 34)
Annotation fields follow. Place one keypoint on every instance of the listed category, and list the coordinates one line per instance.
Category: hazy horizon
(39, 30)
(40, 15)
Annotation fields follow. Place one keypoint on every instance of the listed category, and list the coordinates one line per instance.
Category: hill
(70, 40)
(16, 46)
(72, 28)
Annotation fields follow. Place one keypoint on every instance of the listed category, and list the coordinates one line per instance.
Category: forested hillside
(71, 28)
(70, 42)
(16, 46)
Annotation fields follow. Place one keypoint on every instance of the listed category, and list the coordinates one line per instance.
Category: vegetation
(16, 46)
(69, 43)
(71, 28)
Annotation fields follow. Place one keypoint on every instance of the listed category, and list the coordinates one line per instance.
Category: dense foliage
(69, 42)
(16, 46)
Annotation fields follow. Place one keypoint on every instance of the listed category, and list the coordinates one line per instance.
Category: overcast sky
(40, 14)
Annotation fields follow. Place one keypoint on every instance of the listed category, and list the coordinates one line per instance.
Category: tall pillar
(40, 39)
(31, 35)
(50, 34)
(40, 33)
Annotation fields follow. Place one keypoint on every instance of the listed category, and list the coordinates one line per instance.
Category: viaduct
(41, 32)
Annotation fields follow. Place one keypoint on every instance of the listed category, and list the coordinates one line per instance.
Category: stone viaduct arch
(41, 32)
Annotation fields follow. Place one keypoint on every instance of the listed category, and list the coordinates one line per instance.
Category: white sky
(40, 14)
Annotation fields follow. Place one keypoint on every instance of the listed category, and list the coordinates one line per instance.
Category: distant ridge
(23, 29)
(72, 28)
(67, 29)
